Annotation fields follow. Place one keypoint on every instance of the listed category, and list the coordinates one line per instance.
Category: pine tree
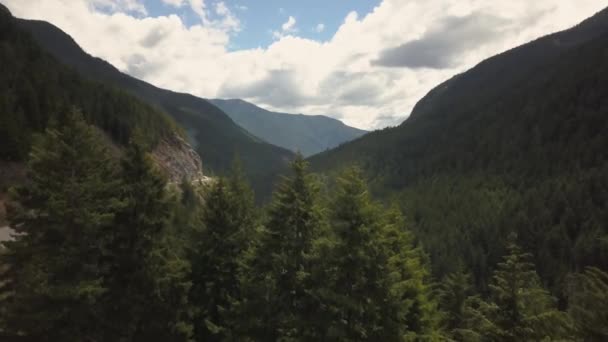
(369, 277)
(53, 285)
(229, 221)
(588, 304)
(277, 283)
(146, 278)
(454, 291)
(520, 309)
(409, 281)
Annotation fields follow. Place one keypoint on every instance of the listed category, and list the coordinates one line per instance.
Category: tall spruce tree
(519, 309)
(53, 285)
(278, 305)
(229, 220)
(370, 279)
(146, 278)
(588, 304)
(454, 291)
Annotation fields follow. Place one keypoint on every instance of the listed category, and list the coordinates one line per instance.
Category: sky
(365, 62)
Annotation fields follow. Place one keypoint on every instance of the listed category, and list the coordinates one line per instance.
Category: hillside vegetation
(216, 138)
(518, 143)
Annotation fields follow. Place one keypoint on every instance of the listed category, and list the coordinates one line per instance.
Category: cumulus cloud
(174, 3)
(445, 42)
(287, 28)
(369, 74)
(319, 28)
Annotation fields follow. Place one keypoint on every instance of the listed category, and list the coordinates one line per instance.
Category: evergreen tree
(228, 222)
(454, 291)
(520, 309)
(146, 279)
(370, 281)
(278, 305)
(588, 299)
(53, 285)
(409, 281)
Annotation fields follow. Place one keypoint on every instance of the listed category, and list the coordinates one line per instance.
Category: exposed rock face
(178, 160)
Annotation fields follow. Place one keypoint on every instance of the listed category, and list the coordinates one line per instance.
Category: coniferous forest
(105, 250)
(481, 218)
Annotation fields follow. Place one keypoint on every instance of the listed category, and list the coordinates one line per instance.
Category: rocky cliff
(178, 160)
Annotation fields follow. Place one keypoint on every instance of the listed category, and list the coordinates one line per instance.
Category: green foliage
(34, 87)
(92, 259)
(370, 279)
(516, 143)
(228, 225)
(455, 290)
(53, 284)
(520, 309)
(277, 282)
(146, 280)
(588, 297)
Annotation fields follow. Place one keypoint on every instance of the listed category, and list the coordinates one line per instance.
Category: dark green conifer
(146, 275)
(588, 304)
(228, 225)
(278, 305)
(53, 287)
(519, 309)
(370, 280)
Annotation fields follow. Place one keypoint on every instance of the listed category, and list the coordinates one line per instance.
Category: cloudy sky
(366, 62)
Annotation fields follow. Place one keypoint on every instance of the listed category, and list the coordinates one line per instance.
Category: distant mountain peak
(307, 134)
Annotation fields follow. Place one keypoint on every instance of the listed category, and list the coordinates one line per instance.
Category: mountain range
(519, 142)
(37, 91)
(307, 134)
(514, 149)
(216, 138)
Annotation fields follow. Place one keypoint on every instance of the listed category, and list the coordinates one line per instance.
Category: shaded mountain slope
(488, 117)
(36, 90)
(518, 143)
(308, 134)
(215, 136)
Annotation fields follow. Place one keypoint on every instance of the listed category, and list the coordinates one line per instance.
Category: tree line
(106, 250)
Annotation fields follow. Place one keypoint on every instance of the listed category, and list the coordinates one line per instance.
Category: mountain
(216, 138)
(36, 90)
(517, 143)
(308, 134)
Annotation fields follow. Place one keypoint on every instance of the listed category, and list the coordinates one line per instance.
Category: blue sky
(259, 18)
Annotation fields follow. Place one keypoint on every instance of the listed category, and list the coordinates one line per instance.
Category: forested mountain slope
(520, 142)
(307, 134)
(36, 90)
(215, 136)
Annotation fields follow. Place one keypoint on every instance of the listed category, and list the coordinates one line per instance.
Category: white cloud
(289, 24)
(319, 28)
(228, 20)
(199, 7)
(288, 27)
(369, 74)
(174, 3)
(129, 6)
